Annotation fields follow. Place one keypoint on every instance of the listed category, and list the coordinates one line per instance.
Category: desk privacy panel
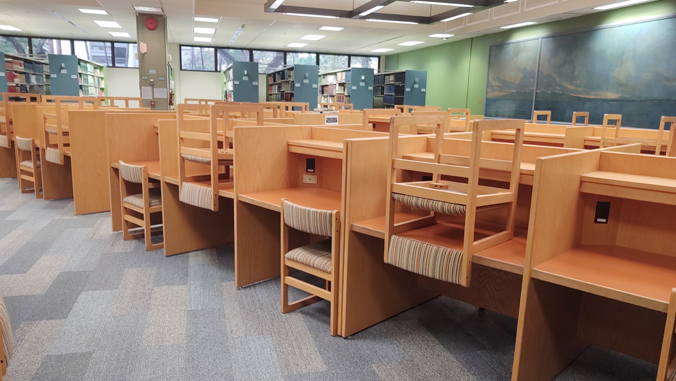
(624, 70)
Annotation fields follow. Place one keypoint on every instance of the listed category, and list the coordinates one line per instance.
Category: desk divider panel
(372, 291)
(89, 158)
(186, 227)
(130, 137)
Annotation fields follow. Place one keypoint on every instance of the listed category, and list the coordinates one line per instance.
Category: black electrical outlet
(602, 212)
(310, 165)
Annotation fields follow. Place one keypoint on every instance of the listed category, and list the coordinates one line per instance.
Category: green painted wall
(457, 71)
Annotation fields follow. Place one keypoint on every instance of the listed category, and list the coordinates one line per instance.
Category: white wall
(122, 82)
(198, 84)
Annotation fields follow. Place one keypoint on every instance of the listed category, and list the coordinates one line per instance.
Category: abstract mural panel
(511, 79)
(628, 70)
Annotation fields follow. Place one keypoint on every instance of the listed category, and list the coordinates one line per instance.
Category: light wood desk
(590, 281)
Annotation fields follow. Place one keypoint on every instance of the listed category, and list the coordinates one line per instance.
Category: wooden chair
(537, 114)
(337, 106)
(274, 106)
(427, 108)
(137, 208)
(453, 114)
(321, 259)
(671, 148)
(440, 256)
(377, 112)
(126, 102)
(7, 339)
(293, 106)
(607, 118)
(580, 114)
(56, 126)
(28, 166)
(405, 109)
(210, 146)
(6, 120)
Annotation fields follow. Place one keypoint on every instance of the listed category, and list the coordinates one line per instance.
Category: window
(50, 46)
(198, 58)
(13, 44)
(301, 59)
(125, 55)
(359, 61)
(268, 61)
(330, 62)
(97, 51)
(228, 56)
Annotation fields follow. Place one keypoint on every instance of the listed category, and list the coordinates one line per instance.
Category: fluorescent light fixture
(93, 11)
(332, 28)
(9, 27)
(393, 21)
(441, 35)
(311, 15)
(440, 3)
(239, 31)
(381, 50)
(206, 19)
(313, 37)
(204, 30)
(374, 9)
(119, 34)
(276, 4)
(146, 9)
(510, 1)
(456, 17)
(108, 24)
(519, 25)
(411, 43)
(296, 45)
(202, 39)
(620, 4)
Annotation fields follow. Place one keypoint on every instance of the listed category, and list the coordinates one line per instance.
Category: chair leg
(125, 227)
(334, 309)
(37, 176)
(285, 287)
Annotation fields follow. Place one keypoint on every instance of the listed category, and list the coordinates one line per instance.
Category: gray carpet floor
(86, 305)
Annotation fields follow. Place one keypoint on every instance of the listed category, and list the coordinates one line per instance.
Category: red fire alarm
(151, 23)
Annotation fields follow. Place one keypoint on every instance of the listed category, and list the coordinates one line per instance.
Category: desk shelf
(320, 148)
(633, 276)
(634, 187)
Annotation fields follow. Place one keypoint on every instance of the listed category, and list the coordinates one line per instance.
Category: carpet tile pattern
(86, 305)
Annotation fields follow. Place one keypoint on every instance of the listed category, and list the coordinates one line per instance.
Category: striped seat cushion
(51, 132)
(431, 205)
(28, 164)
(196, 159)
(4, 141)
(425, 259)
(313, 221)
(196, 195)
(24, 144)
(7, 338)
(317, 255)
(137, 200)
(673, 376)
(52, 155)
(131, 173)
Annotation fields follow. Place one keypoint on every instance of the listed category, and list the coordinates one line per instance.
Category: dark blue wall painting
(626, 70)
(511, 79)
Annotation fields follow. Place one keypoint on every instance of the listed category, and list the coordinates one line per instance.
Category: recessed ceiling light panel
(119, 34)
(313, 37)
(204, 30)
(296, 45)
(206, 19)
(440, 3)
(411, 43)
(332, 28)
(93, 11)
(311, 15)
(382, 50)
(441, 35)
(9, 27)
(202, 39)
(393, 21)
(140, 8)
(108, 24)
